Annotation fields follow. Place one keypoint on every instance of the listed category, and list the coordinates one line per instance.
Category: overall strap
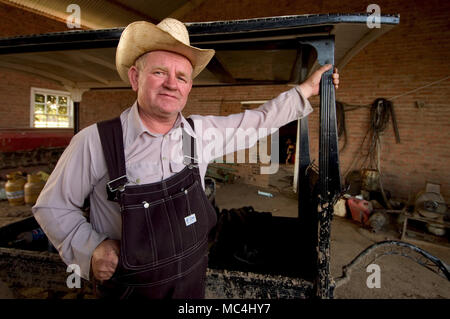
(189, 147)
(111, 137)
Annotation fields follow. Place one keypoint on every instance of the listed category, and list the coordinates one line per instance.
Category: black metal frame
(398, 248)
(201, 33)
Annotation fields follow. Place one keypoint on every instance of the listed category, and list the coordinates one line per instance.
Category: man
(148, 236)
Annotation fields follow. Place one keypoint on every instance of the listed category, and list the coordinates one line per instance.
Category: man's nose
(170, 82)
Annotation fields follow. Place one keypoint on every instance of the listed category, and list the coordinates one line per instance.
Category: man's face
(163, 85)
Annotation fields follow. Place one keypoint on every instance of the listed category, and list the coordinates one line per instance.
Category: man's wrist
(305, 90)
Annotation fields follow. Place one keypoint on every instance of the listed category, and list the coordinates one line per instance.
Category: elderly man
(149, 216)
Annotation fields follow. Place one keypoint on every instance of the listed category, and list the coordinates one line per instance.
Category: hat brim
(141, 37)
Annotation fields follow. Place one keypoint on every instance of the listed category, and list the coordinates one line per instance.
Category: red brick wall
(100, 105)
(15, 87)
(16, 21)
(15, 90)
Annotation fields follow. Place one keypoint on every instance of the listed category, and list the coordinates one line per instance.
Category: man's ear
(133, 77)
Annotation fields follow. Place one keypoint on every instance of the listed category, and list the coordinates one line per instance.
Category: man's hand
(311, 85)
(105, 259)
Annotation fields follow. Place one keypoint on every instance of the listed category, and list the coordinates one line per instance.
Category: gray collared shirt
(81, 171)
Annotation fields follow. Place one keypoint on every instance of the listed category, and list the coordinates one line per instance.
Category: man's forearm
(71, 234)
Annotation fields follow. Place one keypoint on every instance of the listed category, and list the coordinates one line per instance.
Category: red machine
(360, 209)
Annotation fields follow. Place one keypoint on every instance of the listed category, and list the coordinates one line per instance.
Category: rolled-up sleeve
(58, 208)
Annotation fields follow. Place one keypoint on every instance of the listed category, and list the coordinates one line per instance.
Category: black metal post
(329, 186)
(76, 117)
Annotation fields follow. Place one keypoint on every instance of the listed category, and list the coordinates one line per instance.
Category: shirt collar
(136, 127)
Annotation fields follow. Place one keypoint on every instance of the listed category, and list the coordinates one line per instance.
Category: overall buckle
(117, 184)
(190, 162)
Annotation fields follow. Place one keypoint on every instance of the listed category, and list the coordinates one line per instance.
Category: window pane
(63, 121)
(40, 121)
(52, 121)
(62, 100)
(51, 99)
(39, 98)
(52, 109)
(62, 109)
(39, 108)
(52, 106)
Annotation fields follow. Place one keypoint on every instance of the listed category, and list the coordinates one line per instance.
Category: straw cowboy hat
(169, 35)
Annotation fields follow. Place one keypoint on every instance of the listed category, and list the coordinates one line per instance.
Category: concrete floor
(400, 276)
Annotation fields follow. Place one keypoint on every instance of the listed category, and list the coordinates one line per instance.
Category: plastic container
(33, 188)
(340, 209)
(370, 180)
(2, 191)
(360, 209)
(14, 188)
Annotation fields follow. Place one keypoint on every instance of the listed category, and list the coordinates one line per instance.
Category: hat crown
(140, 37)
(176, 29)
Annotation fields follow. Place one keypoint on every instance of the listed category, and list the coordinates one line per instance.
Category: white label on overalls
(189, 220)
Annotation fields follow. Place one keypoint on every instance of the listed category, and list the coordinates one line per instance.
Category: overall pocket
(191, 215)
(147, 234)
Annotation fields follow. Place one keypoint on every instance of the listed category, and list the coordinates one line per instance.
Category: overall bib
(165, 227)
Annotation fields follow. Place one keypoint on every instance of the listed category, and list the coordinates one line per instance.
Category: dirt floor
(400, 277)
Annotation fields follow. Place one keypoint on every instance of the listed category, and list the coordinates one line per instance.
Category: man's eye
(182, 79)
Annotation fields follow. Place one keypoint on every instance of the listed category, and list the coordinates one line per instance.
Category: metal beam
(76, 117)
(329, 174)
(61, 41)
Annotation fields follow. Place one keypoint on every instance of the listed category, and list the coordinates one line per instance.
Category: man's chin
(169, 112)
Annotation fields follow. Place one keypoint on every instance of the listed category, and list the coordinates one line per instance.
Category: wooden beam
(185, 9)
(97, 60)
(296, 71)
(26, 68)
(30, 8)
(132, 10)
(65, 65)
(217, 68)
(369, 37)
(96, 85)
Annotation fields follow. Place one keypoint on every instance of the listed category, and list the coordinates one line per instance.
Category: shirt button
(164, 158)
